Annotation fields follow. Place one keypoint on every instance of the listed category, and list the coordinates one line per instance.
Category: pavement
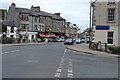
(84, 48)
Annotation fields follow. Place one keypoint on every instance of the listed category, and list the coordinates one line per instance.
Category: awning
(42, 35)
(52, 35)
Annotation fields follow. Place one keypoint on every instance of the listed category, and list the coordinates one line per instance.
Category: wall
(100, 17)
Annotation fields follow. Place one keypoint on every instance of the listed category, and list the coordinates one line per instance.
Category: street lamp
(90, 27)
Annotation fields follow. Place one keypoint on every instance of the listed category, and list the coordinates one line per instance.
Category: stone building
(34, 22)
(3, 14)
(106, 21)
(8, 29)
(71, 30)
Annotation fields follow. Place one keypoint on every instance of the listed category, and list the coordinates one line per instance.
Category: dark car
(69, 42)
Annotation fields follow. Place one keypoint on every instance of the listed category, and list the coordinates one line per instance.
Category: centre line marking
(70, 69)
(59, 70)
(57, 75)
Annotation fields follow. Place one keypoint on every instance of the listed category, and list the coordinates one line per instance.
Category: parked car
(55, 40)
(69, 42)
(78, 41)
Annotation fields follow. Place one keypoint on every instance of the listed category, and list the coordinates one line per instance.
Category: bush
(6, 40)
(34, 40)
(114, 49)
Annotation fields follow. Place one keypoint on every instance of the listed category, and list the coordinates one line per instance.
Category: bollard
(105, 47)
(99, 45)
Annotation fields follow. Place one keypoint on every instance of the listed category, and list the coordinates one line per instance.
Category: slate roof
(36, 13)
(52, 15)
(7, 23)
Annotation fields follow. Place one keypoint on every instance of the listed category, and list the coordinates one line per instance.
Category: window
(24, 18)
(111, 1)
(48, 21)
(41, 28)
(35, 28)
(41, 20)
(35, 19)
(24, 26)
(11, 36)
(110, 38)
(12, 29)
(111, 15)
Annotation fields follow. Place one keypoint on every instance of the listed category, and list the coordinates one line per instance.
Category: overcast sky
(74, 11)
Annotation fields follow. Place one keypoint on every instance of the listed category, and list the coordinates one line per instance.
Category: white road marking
(62, 61)
(61, 64)
(32, 61)
(70, 65)
(60, 67)
(70, 75)
(65, 51)
(70, 69)
(57, 75)
(59, 70)
(10, 51)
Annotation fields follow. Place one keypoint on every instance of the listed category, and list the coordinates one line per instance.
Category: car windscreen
(69, 40)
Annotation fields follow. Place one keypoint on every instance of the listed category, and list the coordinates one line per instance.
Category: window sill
(111, 22)
(111, 3)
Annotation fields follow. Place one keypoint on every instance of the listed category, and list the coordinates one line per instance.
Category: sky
(74, 11)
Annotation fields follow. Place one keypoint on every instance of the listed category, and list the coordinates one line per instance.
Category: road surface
(53, 60)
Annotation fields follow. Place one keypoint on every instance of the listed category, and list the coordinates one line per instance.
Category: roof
(7, 23)
(52, 15)
(36, 13)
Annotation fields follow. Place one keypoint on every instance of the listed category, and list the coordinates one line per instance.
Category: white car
(78, 41)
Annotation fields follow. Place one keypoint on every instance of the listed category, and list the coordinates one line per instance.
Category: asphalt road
(53, 60)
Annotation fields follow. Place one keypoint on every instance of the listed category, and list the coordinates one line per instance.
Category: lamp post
(90, 27)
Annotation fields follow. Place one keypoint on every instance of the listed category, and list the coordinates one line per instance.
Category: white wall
(9, 32)
(101, 35)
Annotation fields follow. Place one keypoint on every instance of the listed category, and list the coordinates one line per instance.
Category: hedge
(114, 49)
(6, 40)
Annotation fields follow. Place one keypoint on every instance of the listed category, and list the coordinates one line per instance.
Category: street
(54, 60)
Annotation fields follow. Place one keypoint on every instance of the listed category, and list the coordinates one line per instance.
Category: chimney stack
(58, 14)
